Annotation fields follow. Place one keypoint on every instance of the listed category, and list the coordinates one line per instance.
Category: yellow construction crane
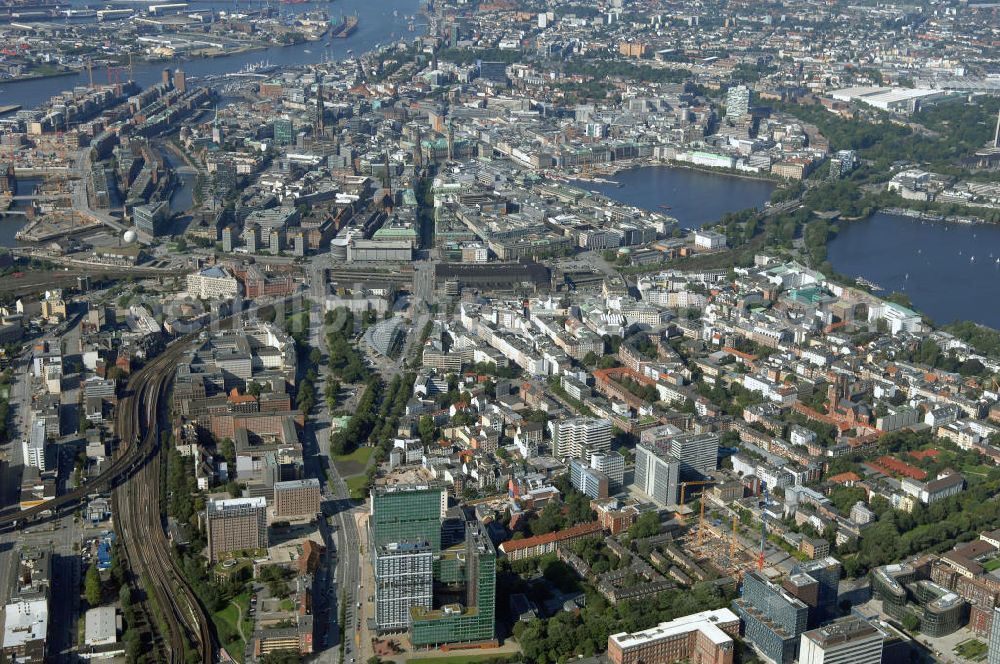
(701, 521)
(685, 485)
(732, 543)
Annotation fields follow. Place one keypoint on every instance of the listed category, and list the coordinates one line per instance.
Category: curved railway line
(136, 505)
(135, 479)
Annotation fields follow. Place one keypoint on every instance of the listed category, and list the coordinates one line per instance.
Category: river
(949, 271)
(377, 26)
(694, 197)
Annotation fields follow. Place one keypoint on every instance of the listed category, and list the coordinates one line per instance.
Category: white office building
(212, 282)
(851, 640)
(403, 580)
(579, 437)
(657, 473)
(34, 445)
(737, 101)
(698, 453)
(993, 651)
(611, 464)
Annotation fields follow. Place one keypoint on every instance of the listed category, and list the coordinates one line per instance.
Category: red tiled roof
(843, 478)
(539, 540)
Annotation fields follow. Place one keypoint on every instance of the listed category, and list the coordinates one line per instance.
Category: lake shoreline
(607, 172)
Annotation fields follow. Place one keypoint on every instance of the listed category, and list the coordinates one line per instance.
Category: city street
(343, 583)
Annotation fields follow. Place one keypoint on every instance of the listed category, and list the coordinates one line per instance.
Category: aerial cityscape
(499, 331)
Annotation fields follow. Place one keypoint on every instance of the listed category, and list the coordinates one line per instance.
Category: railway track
(136, 505)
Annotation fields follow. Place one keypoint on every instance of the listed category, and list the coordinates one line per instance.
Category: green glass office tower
(470, 568)
(408, 513)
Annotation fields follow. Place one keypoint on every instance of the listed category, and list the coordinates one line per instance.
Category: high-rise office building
(611, 464)
(493, 71)
(152, 218)
(33, 447)
(737, 101)
(701, 637)
(470, 571)
(403, 580)
(698, 453)
(588, 481)
(166, 77)
(993, 652)
(297, 498)
(579, 437)
(284, 131)
(773, 620)
(236, 524)
(408, 513)
(180, 81)
(826, 571)
(657, 473)
(851, 640)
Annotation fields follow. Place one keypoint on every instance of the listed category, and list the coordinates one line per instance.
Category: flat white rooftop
(706, 622)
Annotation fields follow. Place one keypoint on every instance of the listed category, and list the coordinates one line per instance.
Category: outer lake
(950, 271)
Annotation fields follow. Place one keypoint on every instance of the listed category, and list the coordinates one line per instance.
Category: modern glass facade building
(826, 571)
(470, 571)
(408, 513)
(771, 619)
(993, 654)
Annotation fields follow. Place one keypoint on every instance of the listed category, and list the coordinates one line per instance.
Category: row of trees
(359, 427)
(344, 359)
(585, 633)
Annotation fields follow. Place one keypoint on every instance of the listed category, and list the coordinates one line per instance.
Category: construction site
(717, 541)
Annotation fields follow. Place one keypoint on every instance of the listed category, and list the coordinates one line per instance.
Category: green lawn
(354, 463)
(455, 659)
(357, 485)
(226, 625)
(971, 649)
(991, 565)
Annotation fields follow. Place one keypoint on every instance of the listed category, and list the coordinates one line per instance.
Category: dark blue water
(377, 25)
(182, 197)
(949, 271)
(695, 197)
(11, 224)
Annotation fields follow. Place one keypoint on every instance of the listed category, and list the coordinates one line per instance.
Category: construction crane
(763, 527)
(732, 542)
(685, 485)
(701, 521)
